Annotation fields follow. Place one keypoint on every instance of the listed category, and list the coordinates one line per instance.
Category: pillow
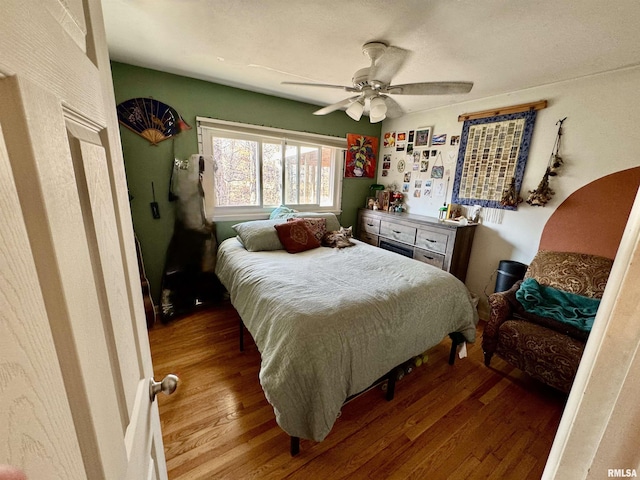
(318, 226)
(296, 236)
(332, 220)
(281, 212)
(259, 235)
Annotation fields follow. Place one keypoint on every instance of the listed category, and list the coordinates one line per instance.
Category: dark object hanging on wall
(541, 195)
(151, 119)
(508, 273)
(155, 208)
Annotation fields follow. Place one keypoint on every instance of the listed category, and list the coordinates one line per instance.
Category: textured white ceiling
(501, 45)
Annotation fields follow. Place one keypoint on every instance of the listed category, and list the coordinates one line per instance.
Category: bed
(329, 322)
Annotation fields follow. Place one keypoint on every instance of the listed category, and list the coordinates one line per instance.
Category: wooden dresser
(427, 239)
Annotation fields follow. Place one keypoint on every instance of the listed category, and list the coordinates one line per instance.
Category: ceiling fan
(373, 86)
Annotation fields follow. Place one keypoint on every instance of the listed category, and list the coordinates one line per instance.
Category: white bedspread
(329, 322)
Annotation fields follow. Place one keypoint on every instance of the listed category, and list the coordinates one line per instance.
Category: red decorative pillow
(318, 226)
(296, 236)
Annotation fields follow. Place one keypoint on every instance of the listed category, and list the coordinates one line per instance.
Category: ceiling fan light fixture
(355, 110)
(375, 119)
(378, 107)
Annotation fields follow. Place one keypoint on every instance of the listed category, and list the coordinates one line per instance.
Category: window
(257, 169)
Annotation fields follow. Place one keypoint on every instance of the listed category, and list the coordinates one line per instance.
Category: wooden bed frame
(456, 339)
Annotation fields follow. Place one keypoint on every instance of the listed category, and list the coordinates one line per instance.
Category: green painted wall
(145, 163)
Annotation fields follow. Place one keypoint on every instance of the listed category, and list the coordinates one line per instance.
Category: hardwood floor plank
(464, 421)
(464, 436)
(467, 469)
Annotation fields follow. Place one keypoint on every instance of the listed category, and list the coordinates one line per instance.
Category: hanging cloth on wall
(190, 179)
(189, 279)
(437, 171)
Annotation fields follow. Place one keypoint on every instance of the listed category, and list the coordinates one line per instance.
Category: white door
(74, 354)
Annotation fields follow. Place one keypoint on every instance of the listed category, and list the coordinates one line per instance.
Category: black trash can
(509, 272)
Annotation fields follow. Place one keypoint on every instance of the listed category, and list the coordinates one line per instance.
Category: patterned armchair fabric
(544, 348)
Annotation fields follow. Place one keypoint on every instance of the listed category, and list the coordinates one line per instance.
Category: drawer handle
(429, 240)
(427, 257)
(396, 231)
(370, 224)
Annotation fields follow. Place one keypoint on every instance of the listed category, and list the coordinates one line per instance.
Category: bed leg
(295, 446)
(391, 385)
(456, 339)
(241, 336)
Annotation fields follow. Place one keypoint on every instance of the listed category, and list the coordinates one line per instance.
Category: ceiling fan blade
(323, 85)
(394, 110)
(429, 88)
(336, 106)
(388, 65)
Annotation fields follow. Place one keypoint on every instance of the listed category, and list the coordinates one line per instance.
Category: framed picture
(439, 139)
(362, 152)
(485, 167)
(423, 137)
(389, 139)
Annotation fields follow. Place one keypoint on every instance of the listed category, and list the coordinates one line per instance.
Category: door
(74, 354)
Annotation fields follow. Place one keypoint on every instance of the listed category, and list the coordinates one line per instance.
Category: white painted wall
(600, 137)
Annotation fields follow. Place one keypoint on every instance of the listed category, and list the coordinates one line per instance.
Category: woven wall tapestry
(493, 152)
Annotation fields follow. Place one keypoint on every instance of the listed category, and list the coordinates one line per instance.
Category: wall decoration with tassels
(541, 195)
(493, 152)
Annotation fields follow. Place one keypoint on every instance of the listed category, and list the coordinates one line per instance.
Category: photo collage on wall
(413, 160)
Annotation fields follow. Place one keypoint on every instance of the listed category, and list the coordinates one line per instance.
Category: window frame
(207, 127)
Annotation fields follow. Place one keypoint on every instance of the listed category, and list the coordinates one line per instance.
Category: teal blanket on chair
(550, 302)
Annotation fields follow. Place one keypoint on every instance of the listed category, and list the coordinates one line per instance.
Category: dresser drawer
(370, 225)
(432, 240)
(401, 233)
(397, 247)
(369, 238)
(431, 258)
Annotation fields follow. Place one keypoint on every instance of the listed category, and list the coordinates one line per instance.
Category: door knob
(167, 386)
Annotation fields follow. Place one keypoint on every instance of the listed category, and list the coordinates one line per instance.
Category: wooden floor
(464, 421)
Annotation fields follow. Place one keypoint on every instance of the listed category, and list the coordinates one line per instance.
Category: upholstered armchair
(544, 348)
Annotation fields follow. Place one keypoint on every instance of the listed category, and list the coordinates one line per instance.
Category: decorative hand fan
(151, 119)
